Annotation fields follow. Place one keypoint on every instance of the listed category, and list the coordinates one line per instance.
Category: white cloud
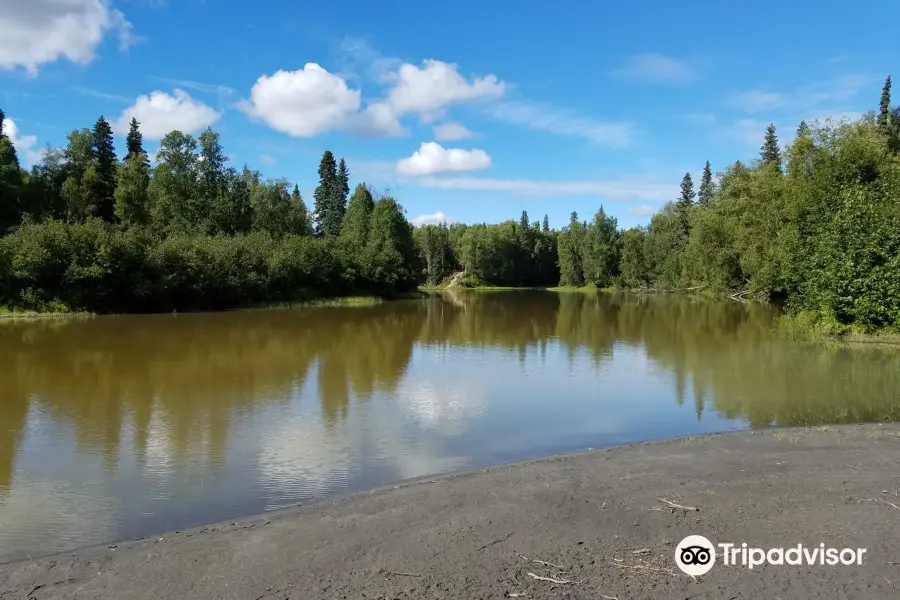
(623, 190)
(425, 91)
(808, 96)
(543, 117)
(302, 103)
(657, 68)
(269, 160)
(435, 219)
(451, 131)
(432, 158)
(436, 85)
(198, 86)
(24, 144)
(377, 120)
(641, 210)
(159, 113)
(87, 91)
(37, 32)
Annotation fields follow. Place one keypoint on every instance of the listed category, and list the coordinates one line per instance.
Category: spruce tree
(769, 154)
(884, 113)
(523, 221)
(103, 152)
(546, 224)
(328, 206)
(802, 129)
(687, 191)
(10, 183)
(704, 198)
(344, 180)
(134, 142)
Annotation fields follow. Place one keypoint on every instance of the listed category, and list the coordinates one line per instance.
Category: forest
(812, 224)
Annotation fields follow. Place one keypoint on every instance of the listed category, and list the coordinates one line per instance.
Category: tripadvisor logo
(696, 555)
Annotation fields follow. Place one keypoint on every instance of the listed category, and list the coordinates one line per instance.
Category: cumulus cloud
(37, 32)
(159, 113)
(25, 145)
(435, 85)
(302, 103)
(435, 219)
(427, 91)
(432, 158)
(657, 68)
(545, 117)
(450, 131)
(622, 190)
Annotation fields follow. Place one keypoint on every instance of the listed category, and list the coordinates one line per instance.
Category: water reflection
(120, 426)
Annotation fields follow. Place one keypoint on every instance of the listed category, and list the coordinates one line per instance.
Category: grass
(585, 289)
(810, 327)
(8, 315)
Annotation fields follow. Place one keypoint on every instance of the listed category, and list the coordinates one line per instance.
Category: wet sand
(593, 519)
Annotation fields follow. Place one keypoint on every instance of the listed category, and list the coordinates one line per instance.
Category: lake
(123, 426)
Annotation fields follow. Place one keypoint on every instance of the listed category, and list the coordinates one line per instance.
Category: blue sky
(470, 110)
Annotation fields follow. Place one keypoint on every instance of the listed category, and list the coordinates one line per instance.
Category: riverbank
(9, 315)
(604, 524)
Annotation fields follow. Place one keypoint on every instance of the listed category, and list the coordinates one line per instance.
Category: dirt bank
(597, 517)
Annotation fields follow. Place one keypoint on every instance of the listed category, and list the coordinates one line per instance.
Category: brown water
(118, 427)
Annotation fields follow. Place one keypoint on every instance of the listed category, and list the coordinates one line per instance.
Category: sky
(465, 111)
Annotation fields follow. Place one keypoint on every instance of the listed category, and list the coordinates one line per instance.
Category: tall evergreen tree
(707, 188)
(328, 196)
(546, 226)
(802, 129)
(343, 175)
(134, 142)
(106, 164)
(769, 154)
(687, 191)
(523, 221)
(10, 182)
(884, 112)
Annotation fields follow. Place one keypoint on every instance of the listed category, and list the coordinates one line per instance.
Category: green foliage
(815, 226)
(134, 141)
(390, 258)
(769, 154)
(707, 187)
(132, 203)
(330, 197)
(884, 107)
(11, 181)
(103, 189)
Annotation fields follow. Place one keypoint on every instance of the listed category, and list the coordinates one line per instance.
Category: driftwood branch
(541, 562)
(551, 579)
(489, 544)
(675, 505)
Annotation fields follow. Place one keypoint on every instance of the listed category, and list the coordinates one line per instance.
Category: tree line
(85, 231)
(812, 224)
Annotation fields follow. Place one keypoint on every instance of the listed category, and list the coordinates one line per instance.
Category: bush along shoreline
(811, 225)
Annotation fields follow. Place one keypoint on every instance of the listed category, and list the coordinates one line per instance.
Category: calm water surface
(118, 427)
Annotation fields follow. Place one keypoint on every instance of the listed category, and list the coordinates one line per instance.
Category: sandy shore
(595, 519)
